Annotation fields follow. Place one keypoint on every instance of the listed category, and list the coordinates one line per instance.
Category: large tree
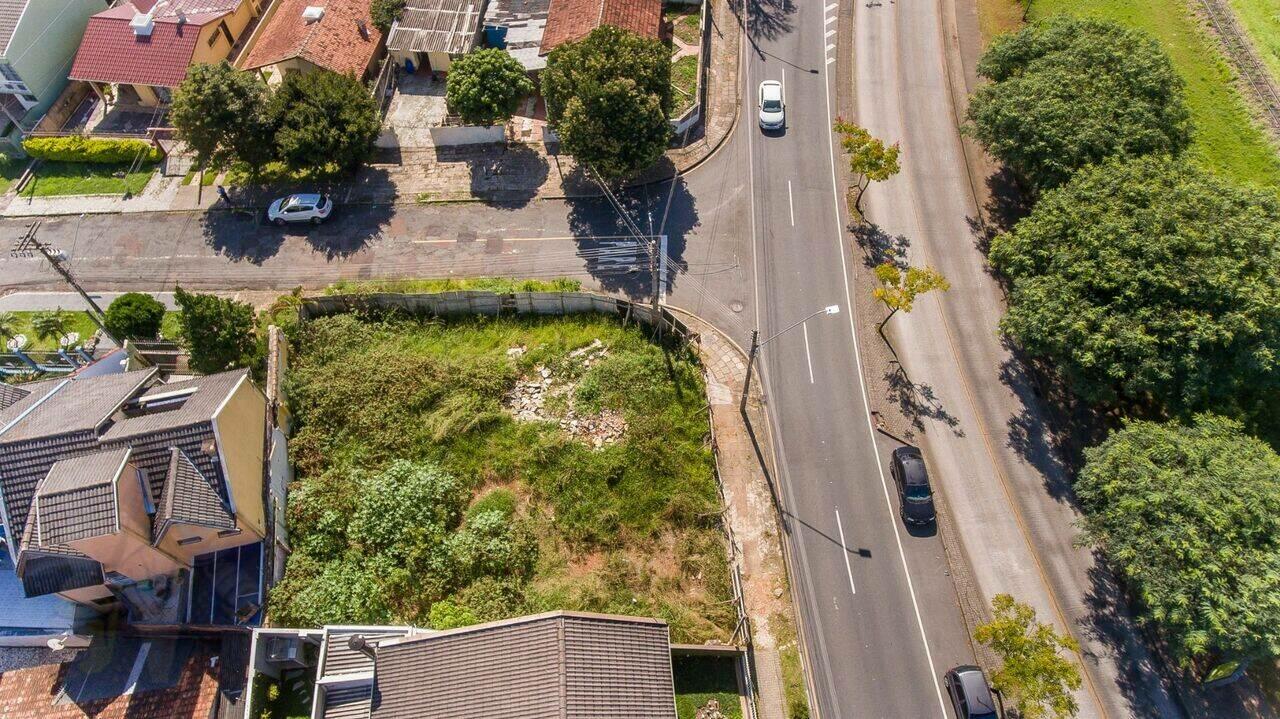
(1066, 93)
(324, 119)
(1190, 516)
(220, 113)
(217, 331)
(134, 315)
(1034, 676)
(485, 86)
(1153, 283)
(609, 96)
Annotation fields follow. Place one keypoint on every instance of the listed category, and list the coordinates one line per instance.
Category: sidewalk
(514, 172)
(743, 460)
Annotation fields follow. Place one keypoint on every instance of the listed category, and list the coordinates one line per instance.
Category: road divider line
(808, 356)
(844, 549)
(791, 205)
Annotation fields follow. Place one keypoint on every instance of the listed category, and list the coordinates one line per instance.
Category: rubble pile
(711, 710)
(528, 399)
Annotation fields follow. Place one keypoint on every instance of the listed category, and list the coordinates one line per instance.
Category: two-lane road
(878, 608)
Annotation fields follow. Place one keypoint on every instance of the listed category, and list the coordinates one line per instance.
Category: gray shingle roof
(338, 658)
(10, 394)
(76, 500)
(77, 405)
(552, 666)
(31, 393)
(208, 393)
(189, 498)
(43, 574)
(437, 26)
(10, 13)
(349, 702)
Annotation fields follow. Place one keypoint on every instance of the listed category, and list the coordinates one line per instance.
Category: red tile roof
(335, 41)
(570, 20)
(111, 52)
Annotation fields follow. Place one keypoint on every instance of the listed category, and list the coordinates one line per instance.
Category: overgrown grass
(1261, 19)
(486, 284)
(209, 177)
(700, 679)
(276, 173)
(77, 321)
(630, 528)
(793, 683)
(684, 84)
(81, 178)
(1226, 138)
(684, 23)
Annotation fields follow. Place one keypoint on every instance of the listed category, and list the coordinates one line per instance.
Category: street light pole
(757, 343)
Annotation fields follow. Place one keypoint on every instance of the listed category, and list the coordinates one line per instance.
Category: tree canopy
(869, 158)
(1066, 93)
(324, 118)
(220, 112)
(486, 85)
(385, 12)
(1033, 676)
(1151, 282)
(609, 96)
(134, 315)
(1189, 514)
(218, 332)
(899, 287)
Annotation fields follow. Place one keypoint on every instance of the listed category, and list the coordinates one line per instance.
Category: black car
(912, 479)
(970, 695)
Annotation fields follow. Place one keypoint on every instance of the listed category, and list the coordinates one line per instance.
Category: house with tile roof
(556, 665)
(570, 20)
(298, 36)
(116, 485)
(38, 38)
(138, 51)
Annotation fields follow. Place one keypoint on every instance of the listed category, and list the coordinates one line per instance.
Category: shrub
(485, 86)
(502, 501)
(134, 315)
(78, 148)
(447, 615)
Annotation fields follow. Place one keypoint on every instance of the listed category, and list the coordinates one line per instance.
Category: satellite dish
(17, 342)
(69, 339)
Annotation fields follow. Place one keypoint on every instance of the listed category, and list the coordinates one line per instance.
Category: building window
(9, 73)
(190, 540)
(229, 532)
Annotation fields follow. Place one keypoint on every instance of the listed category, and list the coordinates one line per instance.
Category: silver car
(300, 208)
(772, 108)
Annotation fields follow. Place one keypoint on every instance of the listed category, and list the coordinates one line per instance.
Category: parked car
(970, 694)
(772, 108)
(300, 208)
(914, 493)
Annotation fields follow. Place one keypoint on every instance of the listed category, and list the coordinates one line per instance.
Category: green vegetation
(1190, 516)
(82, 178)
(26, 323)
(899, 287)
(609, 97)
(286, 698)
(77, 148)
(797, 693)
(11, 169)
(385, 12)
(684, 23)
(1224, 137)
(699, 679)
(218, 332)
(1033, 677)
(134, 315)
(1152, 285)
(1261, 20)
(628, 526)
(684, 84)
(1066, 93)
(485, 284)
(321, 118)
(870, 160)
(486, 85)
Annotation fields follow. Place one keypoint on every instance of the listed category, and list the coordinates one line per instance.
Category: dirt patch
(548, 395)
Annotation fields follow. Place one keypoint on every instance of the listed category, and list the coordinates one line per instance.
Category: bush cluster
(77, 148)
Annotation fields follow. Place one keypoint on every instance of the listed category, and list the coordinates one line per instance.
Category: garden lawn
(79, 321)
(699, 679)
(10, 170)
(82, 178)
(1261, 19)
(1226, 138)
(684, 84)
(630, 527)
(684, 23)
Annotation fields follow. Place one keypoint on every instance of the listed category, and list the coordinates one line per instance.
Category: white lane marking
(844, 549)
(830, 47)
(830, 19)
(662, 269)
(808, 356)
(866, 406)
(791, 205)
(830, 60)
(831, 7)
(830, 33)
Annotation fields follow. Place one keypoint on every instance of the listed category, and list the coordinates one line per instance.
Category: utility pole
(751, 359)
(653, 244)
(757, 343)
(56, 260)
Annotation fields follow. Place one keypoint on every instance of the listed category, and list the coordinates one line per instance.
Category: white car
(300, 208)
(771, 106)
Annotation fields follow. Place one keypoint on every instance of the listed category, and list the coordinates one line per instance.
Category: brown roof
(560, 665)
(570, 20)
(334, 42)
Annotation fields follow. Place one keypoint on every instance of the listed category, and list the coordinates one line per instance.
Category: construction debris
(528, 400)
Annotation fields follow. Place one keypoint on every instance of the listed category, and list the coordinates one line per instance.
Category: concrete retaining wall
(468, 135)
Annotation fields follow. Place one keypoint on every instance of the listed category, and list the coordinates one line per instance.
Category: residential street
(756, 237)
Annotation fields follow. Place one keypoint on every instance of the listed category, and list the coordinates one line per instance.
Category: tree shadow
(493, 172)
(917, 402)
(878, 247)
(349, 230)
(240, 236)
(246, 236)
(1009, 200)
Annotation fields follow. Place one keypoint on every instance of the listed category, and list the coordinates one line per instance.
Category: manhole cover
(736, 305)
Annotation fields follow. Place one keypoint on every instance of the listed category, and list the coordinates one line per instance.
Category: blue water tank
(408, 66)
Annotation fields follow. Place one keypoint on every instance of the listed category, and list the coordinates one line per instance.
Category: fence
(1246, 61)
(384, 86)
(686, 122)
(444, 304)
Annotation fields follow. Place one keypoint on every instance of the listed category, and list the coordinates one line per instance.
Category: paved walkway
(743, 459)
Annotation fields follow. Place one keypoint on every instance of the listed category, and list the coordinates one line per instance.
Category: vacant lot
(565, 462)
(1226, 138)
